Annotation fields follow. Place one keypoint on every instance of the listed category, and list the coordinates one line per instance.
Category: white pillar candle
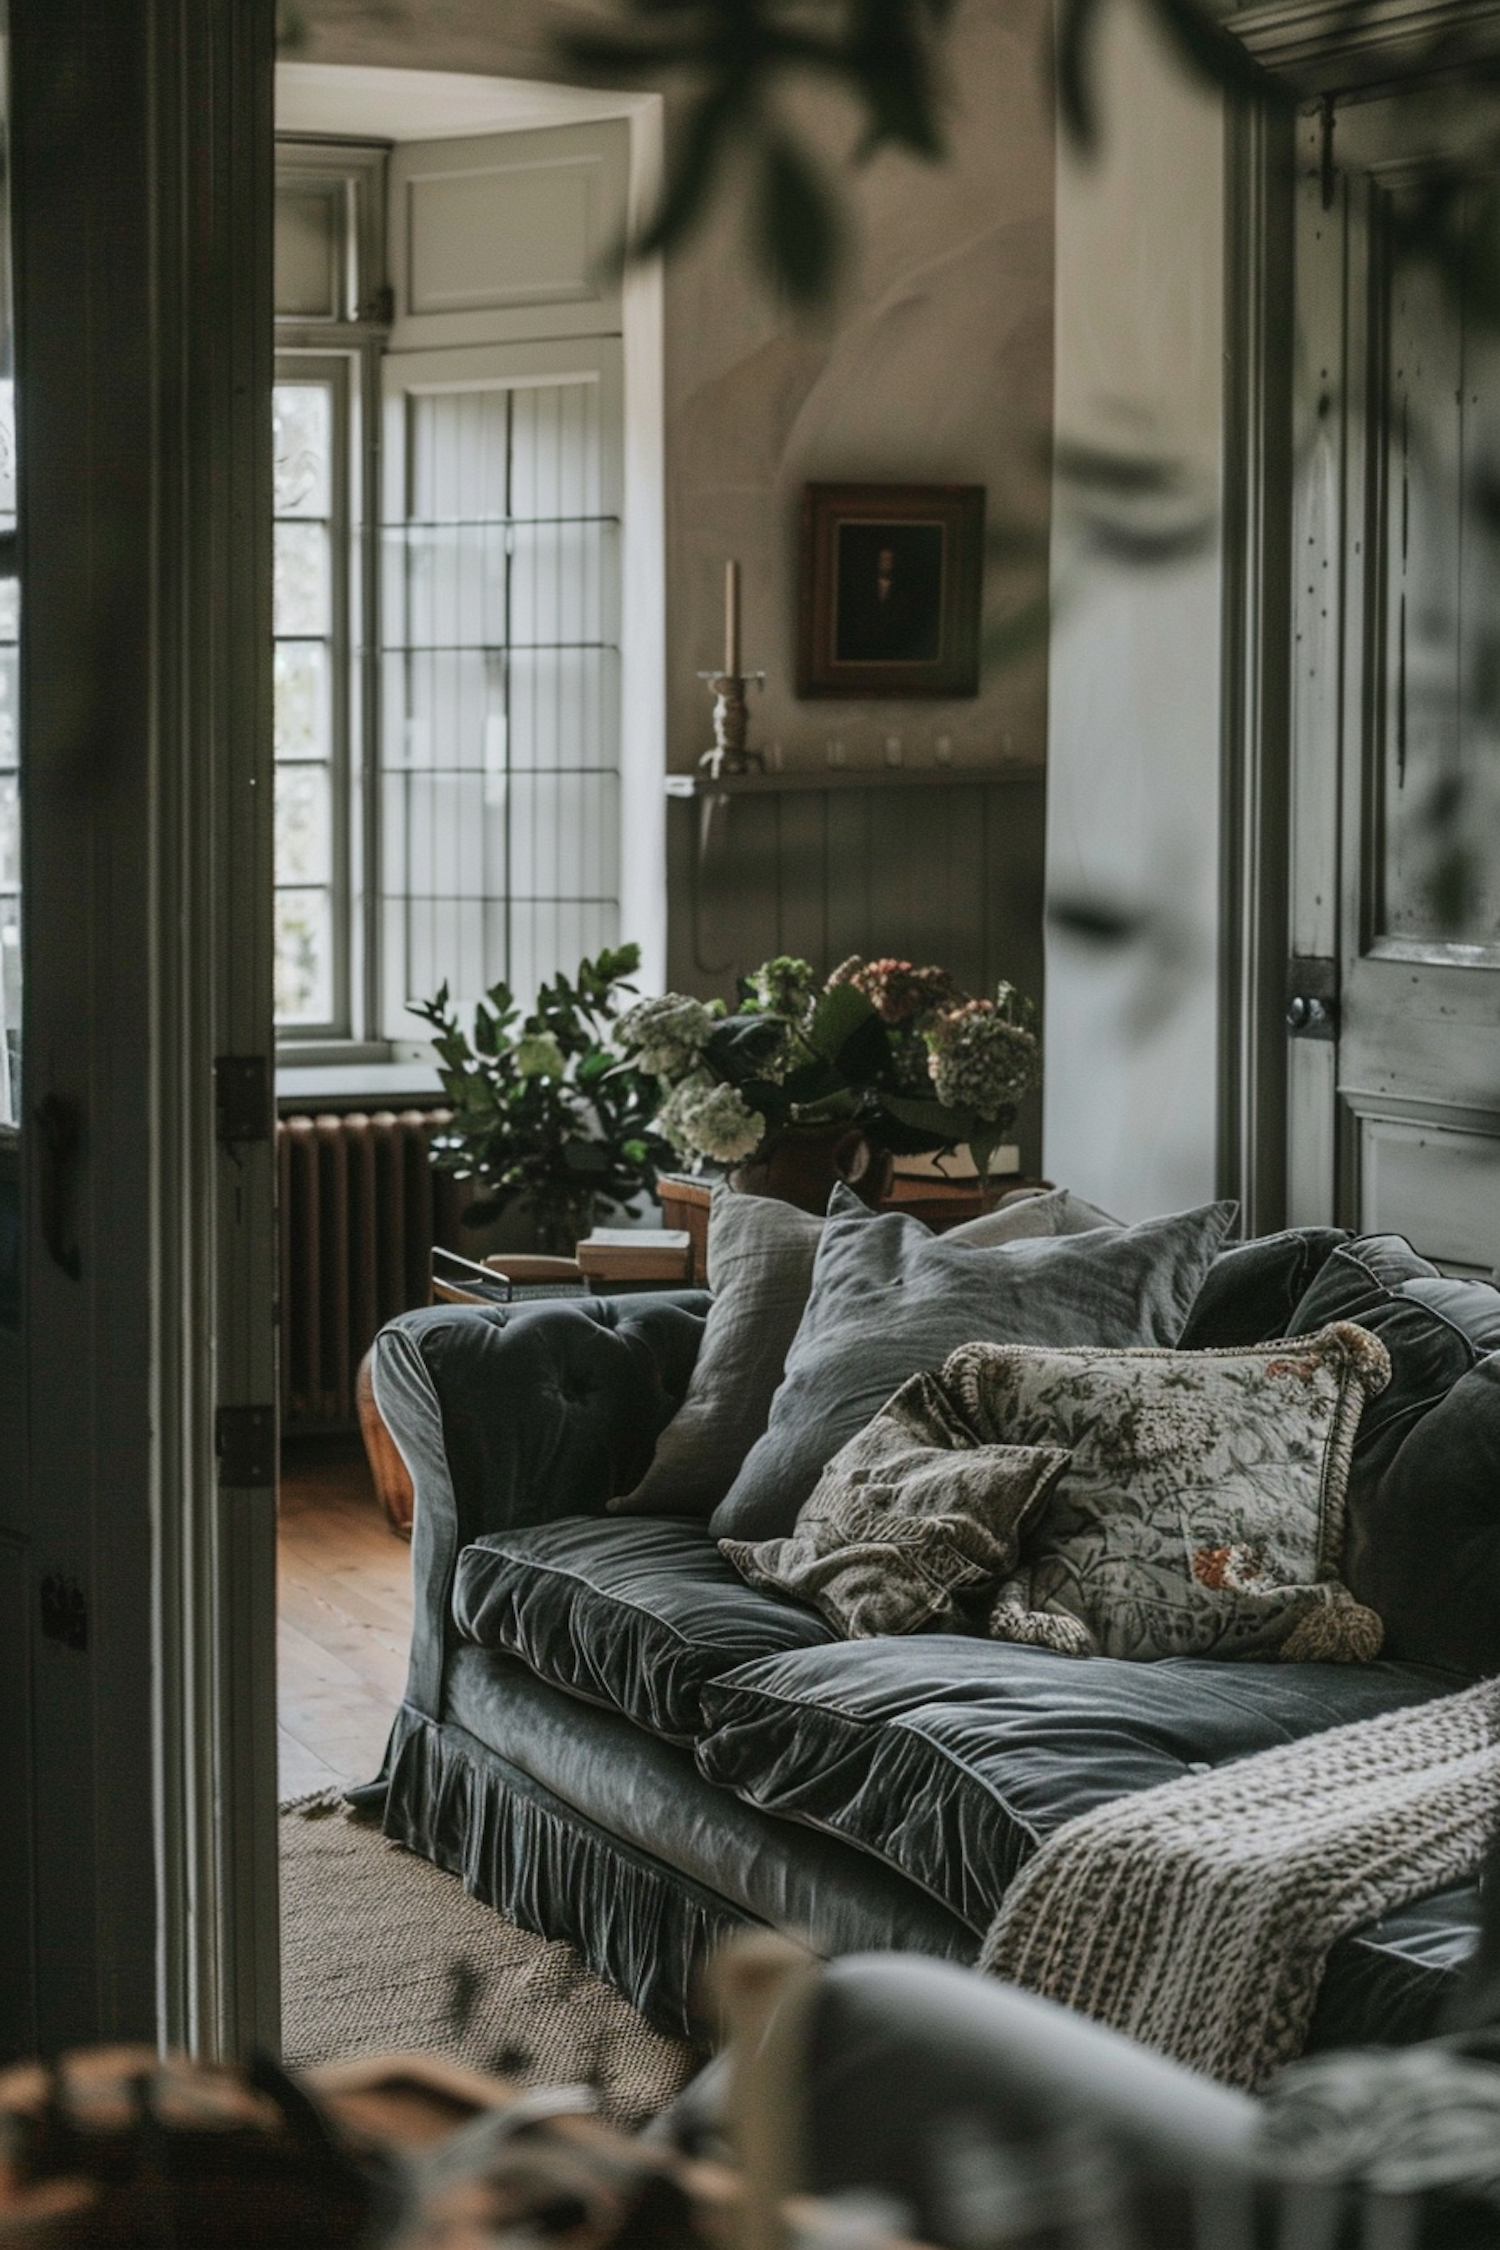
(732, 620)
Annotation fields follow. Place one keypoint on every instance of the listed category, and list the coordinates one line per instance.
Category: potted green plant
(881, 1060)
(544, 1114)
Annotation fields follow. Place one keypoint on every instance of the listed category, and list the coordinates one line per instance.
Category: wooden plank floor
(343, 1619)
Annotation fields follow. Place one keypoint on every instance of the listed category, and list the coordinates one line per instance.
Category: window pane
(500, 693)
(302, 604)
(302, 421)
(1439, 752)
(10, 834)
(303, 825)
(304, 956)
(7, 452)
(303, 715)
(10, 1008)
(311, 544)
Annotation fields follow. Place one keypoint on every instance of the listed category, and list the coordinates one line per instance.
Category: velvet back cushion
(1435, 1328)
(1429, 1558)
(890, 1299)
(760, 1268)
(1253, 1289)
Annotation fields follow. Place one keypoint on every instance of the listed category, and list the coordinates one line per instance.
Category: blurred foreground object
(116, 2148)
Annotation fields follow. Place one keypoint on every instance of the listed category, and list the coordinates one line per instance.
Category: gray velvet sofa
(613, 1739)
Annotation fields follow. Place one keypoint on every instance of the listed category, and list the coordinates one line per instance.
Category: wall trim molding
(1255, 744)
(1308, 35)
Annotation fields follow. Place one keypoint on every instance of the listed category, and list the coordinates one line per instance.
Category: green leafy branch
(543, 1111)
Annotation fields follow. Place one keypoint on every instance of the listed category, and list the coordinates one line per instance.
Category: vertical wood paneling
(965, 889)
(801, 907)
(749, 878)
(846, 875)
(951, 874)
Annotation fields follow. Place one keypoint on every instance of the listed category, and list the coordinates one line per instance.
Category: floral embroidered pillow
(909, 1522)
(1202, 1510)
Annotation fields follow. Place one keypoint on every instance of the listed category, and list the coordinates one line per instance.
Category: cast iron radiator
(359, 1209)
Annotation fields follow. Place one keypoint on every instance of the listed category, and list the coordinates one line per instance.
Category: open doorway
(469, 697)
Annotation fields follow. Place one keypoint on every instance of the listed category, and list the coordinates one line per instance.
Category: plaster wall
(935, 365)
(1133, 758)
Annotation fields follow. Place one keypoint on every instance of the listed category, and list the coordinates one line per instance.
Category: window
(448, 686)
(311, 660)
(330, 308)
(501, 684)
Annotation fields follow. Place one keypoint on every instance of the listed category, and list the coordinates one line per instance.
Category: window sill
(356, 1085)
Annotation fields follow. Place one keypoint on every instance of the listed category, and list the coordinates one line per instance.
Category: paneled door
(1393, 985)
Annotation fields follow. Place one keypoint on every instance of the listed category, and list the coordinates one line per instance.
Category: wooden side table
(939, 1204)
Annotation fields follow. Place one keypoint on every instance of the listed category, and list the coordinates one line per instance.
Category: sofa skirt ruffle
(519, 1849)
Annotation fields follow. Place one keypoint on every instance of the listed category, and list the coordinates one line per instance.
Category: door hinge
(245, 1442)
(65, 1611)
(382, 306)
(242, 1097)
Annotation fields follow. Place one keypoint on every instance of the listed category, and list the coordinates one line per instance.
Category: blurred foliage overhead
(884, 56)
(739, 59)
(741, 54)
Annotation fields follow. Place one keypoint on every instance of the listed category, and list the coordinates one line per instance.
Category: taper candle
(732, 620)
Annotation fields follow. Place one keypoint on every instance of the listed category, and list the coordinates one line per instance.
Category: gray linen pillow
(760, 1268)
(890, 1299)
(908, 1521)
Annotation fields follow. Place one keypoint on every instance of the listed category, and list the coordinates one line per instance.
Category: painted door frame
(1323, 50)
(142, 150)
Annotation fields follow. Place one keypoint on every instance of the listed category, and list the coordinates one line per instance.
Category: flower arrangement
(544, 1113)
(899, 1050)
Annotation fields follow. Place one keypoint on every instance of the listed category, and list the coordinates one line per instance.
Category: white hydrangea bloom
(725, 1127)
(664, 1036)
(702, 1118)
(674, 1117)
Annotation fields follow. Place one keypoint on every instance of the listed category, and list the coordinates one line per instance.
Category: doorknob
(1308, 1017)
(1312, 1005)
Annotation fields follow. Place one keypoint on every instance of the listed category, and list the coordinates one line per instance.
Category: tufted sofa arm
(513, 1414)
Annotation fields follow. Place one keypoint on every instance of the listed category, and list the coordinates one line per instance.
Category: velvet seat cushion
(953, 1759)
(635, 1613)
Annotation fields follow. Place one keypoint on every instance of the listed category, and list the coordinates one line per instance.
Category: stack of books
(611, 1255)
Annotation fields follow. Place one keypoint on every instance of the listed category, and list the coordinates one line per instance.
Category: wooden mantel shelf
(849, 777)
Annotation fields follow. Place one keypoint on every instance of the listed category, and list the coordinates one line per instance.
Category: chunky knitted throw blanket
(1198, 1916)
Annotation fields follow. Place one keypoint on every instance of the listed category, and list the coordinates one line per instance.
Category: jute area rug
(381, 1950)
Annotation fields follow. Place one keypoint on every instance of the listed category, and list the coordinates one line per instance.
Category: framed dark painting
(890, 587)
